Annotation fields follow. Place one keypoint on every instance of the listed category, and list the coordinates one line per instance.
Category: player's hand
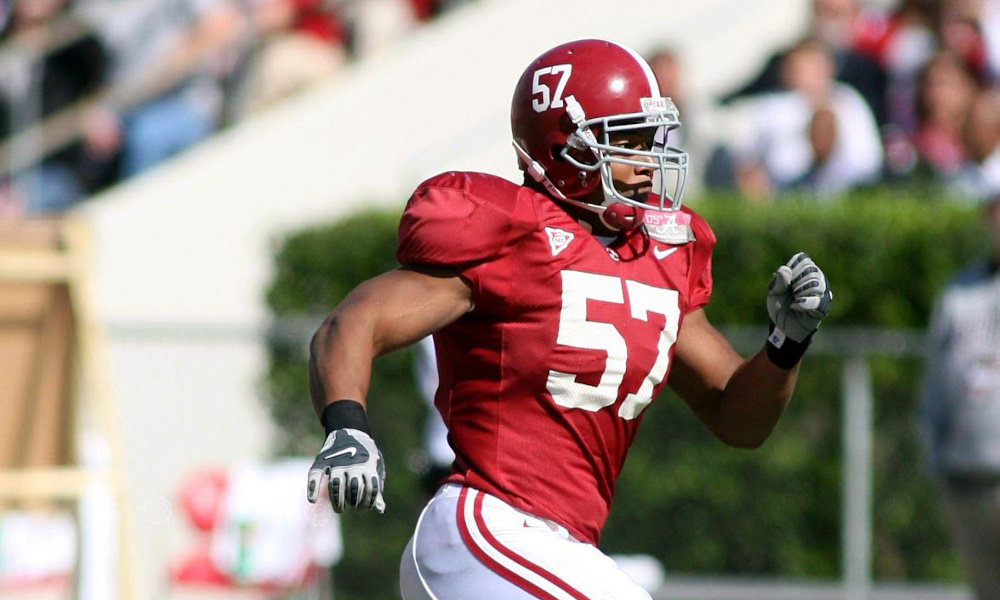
(355, 471)
(798, 297)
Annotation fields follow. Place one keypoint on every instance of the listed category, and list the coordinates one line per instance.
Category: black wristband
(345, 414)
(783, 351)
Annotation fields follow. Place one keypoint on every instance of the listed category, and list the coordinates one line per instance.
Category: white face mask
(668, 164)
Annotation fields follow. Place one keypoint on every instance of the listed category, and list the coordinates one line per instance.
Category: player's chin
(636, 193)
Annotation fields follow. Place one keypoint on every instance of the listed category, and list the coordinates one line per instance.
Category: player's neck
(590, 221)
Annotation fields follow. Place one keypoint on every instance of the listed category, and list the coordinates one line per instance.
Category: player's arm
(740, 400)
(380, 315)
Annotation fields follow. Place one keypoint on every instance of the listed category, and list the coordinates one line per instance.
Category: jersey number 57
(576, 331)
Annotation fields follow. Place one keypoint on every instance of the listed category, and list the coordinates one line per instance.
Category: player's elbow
(744, 440)
(327, 334)
(746, 443)
(321, 338)
(349, 325)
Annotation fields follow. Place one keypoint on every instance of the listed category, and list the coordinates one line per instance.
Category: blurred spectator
(164, 81)
(960, 411)
(377, 24)
(818, 137)
(667, 69)
(171, 58)
(425, 9)
(959, 31)
(945, 93)
(979, 175)
(31, 91)
(839, 24)
(304, 41)
(4, 16)
(991, 37)
(901, 42)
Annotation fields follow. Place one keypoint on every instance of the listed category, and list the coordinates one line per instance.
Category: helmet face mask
(667, 164)
(583, 111)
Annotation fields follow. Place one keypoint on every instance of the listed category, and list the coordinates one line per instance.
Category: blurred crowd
(908, 95)
(95, 91)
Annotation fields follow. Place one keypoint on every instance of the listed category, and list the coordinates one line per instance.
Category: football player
(558, 307)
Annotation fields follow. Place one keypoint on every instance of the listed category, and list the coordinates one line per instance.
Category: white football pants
(469, 544)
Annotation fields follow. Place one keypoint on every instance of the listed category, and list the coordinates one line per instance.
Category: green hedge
(700, 507)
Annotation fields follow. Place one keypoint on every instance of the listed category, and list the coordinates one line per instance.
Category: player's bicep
(409, 303)
(704, 362)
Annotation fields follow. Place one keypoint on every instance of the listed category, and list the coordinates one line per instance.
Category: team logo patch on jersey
(669, 227)
(558, 239)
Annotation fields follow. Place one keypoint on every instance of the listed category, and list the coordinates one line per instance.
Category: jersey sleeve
(445, 224)
(701, 272)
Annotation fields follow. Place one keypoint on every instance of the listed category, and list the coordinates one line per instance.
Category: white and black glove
(355, 471)
(798, 299)
(350, 462)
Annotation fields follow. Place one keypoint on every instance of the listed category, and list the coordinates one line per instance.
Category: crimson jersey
(544, 382)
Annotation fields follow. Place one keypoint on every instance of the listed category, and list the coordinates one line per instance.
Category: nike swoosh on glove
(355, 470)
(798, 298)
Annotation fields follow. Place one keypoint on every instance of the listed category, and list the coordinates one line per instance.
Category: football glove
(798, 298)
(355, 470)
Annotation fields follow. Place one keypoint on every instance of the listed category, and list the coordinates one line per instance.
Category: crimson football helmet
(569, 104)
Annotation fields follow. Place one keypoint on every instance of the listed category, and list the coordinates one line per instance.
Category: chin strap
(616, 216)
(619, 217)
(623, 217)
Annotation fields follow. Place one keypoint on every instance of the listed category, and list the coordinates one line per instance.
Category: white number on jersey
(577, 332)
(549, 99)
(645, 299)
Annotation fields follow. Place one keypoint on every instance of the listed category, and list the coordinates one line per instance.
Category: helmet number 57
(548, 98)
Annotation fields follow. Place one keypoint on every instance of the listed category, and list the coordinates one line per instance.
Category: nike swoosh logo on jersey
(662, 253)
(350, 451)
